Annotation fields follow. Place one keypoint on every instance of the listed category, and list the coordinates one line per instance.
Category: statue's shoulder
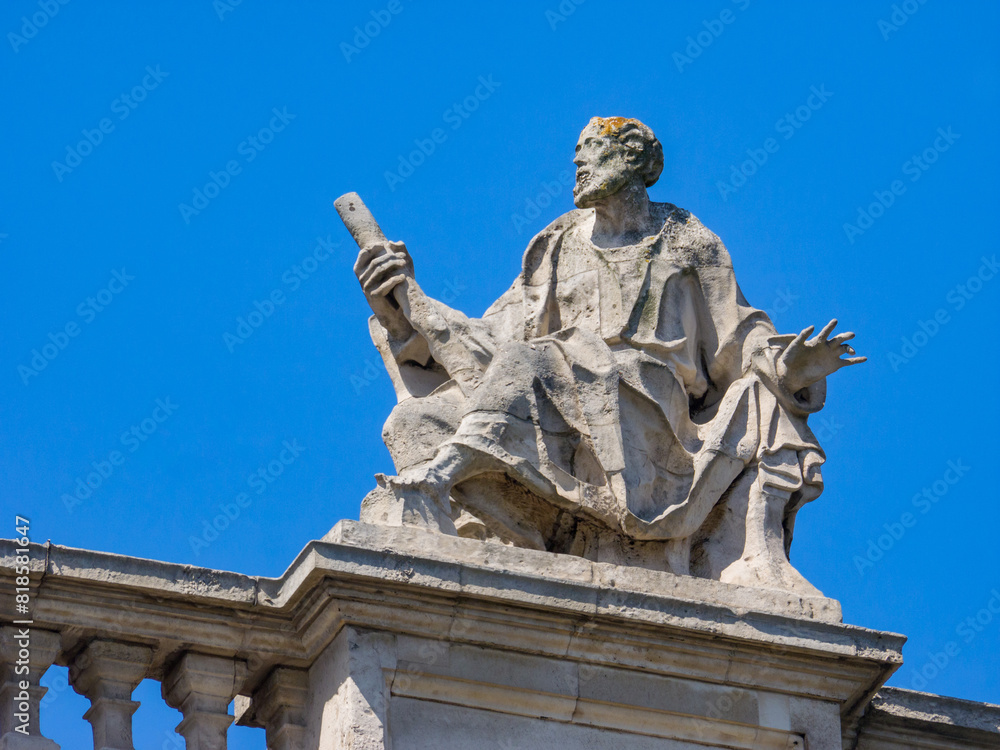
(542, 242)
(668, 212)
(689, 238)
(568, 220)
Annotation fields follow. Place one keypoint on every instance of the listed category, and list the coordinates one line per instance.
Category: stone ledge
(547, 565)
(233, 589)
(136, 573)
(910, 719)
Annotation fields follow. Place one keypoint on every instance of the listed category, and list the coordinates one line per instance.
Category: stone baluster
(26, 653)
(106, 673)
(201, 687)
(279, 705)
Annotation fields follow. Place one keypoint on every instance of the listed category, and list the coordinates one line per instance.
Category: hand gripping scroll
(448, 350)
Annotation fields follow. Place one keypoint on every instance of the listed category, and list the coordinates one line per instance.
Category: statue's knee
(520, 362)
(416, 428)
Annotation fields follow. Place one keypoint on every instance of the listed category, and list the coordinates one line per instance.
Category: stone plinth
(443, 642)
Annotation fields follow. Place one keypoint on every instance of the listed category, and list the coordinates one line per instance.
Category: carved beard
(598, 183)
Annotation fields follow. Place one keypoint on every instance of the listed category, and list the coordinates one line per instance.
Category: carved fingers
(381, 267)
(382, 274)
(796, 347)
(838, 347)
(808, 360)
(835, 346)
(827, 330)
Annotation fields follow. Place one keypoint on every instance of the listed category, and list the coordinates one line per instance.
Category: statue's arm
(795, 367)
(425, 342)
(762, 352)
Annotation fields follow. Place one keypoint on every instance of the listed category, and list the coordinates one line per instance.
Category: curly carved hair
(636, 137)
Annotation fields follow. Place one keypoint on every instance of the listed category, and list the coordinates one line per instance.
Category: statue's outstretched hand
(381, 267)
(804, 362)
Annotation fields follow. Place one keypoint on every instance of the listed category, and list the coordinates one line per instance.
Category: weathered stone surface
(621, 402)
(610, 583)
(898, 719)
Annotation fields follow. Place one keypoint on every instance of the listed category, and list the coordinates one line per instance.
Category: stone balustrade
(455, 634)
(115, 621)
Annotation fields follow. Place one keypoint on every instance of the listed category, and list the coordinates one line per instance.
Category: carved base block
(439, 642)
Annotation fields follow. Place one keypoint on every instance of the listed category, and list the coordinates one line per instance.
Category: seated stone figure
(621, 401)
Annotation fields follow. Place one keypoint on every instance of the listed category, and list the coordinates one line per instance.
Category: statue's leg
(421, 495)
(764, 562)
(446, 438)
(417, 427)
(414, 434)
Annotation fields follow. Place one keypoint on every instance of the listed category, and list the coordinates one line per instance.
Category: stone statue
(621, 401)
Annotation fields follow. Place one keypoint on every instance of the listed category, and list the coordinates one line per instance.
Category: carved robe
(631, 385)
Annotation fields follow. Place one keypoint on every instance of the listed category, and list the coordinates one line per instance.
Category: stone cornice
(899, 718)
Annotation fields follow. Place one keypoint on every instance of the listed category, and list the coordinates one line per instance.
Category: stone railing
(115, 621)
(395, 619)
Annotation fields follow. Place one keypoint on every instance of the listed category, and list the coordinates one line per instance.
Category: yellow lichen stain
(609, 126)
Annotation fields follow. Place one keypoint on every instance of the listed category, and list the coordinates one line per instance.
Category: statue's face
(601, 167)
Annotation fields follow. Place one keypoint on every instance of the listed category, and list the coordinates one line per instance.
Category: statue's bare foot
(422, 497)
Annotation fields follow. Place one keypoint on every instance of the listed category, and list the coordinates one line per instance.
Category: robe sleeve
(733, 338)
(418, 365)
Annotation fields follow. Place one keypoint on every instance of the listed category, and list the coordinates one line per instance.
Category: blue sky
(169, 170)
